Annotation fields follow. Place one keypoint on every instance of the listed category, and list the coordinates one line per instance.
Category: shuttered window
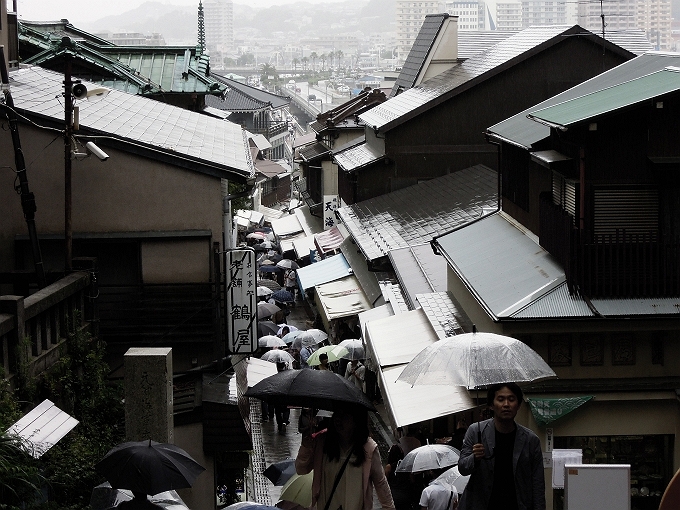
(564, 193)
(635, 210)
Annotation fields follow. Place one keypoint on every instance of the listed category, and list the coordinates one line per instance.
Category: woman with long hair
(346, 464)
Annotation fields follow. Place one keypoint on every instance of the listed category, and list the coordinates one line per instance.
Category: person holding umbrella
(504, 459)
(346, 463)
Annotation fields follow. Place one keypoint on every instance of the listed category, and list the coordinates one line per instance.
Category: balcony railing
(621, 264)
(33, 328)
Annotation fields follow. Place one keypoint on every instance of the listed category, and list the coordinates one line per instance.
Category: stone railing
(33, 328)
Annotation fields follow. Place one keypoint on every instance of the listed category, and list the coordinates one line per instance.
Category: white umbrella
(257, 235)
(453, 478)
(288, 264)
(270, 341)
(264, 291)
(355, 349)
(429, 456)
(476, 360)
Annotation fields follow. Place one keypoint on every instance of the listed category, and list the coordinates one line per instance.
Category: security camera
(97, 151)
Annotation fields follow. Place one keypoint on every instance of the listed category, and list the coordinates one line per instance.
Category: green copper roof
(609, 99)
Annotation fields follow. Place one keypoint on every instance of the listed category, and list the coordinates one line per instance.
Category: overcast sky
(79, 10)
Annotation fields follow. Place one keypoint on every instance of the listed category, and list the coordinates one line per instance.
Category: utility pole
(68, 132)
(27, 198)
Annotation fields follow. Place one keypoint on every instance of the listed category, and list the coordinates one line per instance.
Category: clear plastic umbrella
(355, 349)
(309, 338)
(453, 478)
(278, 356)
(270, 341)
(266, 310)
(289, 338)
(264, 291)
(476, 360)
(288, 264)
(429, 456)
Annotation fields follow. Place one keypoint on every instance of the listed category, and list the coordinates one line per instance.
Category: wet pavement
(271, 446)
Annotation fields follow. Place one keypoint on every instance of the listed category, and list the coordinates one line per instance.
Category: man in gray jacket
(503, 458)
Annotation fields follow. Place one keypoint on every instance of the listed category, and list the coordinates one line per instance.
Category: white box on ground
(601, 486)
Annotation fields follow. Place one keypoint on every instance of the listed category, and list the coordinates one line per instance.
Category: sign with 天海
(241, 316)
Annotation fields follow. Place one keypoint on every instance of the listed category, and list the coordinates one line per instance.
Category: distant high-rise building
(470, 14)
(410, 16)
(549, 12)
(652, 16)
(218, 17)
(508, 16)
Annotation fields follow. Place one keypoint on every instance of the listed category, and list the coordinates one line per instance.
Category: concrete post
(148, 394)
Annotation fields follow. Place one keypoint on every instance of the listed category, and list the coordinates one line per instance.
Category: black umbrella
(270, 284)
(280, 472)
(267, 328)
(149, 467)
(320, 389)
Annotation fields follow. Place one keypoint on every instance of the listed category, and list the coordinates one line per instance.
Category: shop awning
(408, 404)
(258, 370)
(396, 340)
(547, 410)
(328, 240)
(341, 298)
(286, 225)
(288, 243)
(303, 245)
(328, 270)
(359, 265)
(271, 214)
(379, 312)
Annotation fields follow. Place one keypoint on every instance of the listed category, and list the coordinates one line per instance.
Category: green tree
(19, 478)
(339, 56)
(305, 63)
(246, 59)
(313, 56)
(296, 63)
(268, 73)
(323, 57)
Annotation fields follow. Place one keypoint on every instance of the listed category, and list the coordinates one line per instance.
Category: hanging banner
(547, 410)
(241, 316)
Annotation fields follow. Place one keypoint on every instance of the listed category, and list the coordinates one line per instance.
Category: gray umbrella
(429, 456)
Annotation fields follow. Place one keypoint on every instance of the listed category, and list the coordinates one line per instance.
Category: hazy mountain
(179, 24)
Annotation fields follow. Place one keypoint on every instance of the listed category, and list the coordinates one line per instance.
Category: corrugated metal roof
(271, 214)
(444, 316)
(610, 99)
(476, 69)
(287, 225)
(43, 427)
(503, 266)
(269, 168)
(342, 298)
(356, 157)
(416, 214)
(417, 55)
(396, 340)
(357, 261)
(648, 306)
(521, 131)
(332, 268)
(408, 404)
(214, 143)
(555, 303)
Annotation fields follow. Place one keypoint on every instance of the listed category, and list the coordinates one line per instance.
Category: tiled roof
(313, 151)
(345, 115)
(476, 69)
(416, 214)
(446, 318)
(132, 69)
(194, 140)
(356, 157)
(473, 42)
(257, 95)
(519, 130)
(415, 60)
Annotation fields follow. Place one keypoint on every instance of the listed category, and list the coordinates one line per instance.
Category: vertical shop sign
(241, 316)
(330, 204)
